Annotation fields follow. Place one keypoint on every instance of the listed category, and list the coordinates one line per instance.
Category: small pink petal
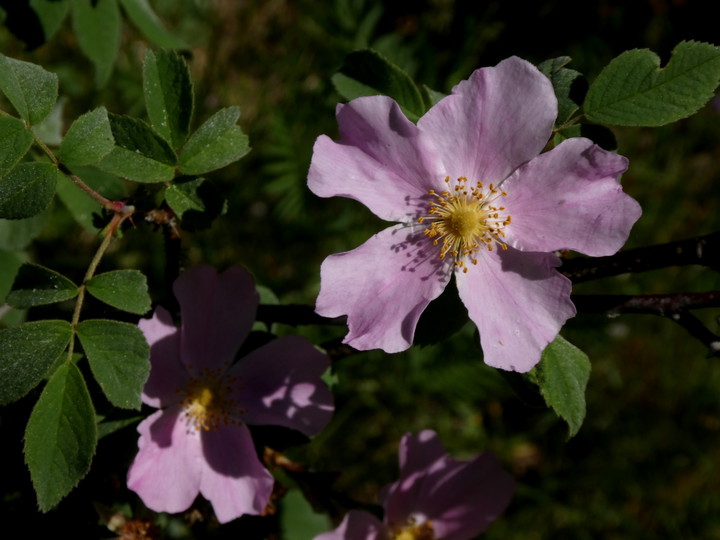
(419, 452)
(419, 455)
(217, 313)
(356, 525)
(383, 287)
(459, 498)
(379, 160)
(464, 499)
(167, 374)
(493, 122)
(569, 198)
(281, 385)
(166, 471)
(519, 302)
(232, 477)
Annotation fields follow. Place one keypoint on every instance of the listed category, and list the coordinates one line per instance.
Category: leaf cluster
(62, 432)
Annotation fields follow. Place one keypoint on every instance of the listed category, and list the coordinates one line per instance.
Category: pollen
(465, 218)
(208, 402)
(413, 531)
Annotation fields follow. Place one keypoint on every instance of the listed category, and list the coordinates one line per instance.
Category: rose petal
(232, 478)
(519, 302)
(356, 525)
(463, 500)
(167, 374)
(569, 198)
(419, 456)
(281, 385)
(492, 123)
(383, 286)
(217, 313)
(378, 161)
(166, 470)
(419, 452)
(459, 498)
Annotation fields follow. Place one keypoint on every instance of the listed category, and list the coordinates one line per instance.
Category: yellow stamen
(413, 531)
(208, 403)
(465, 219)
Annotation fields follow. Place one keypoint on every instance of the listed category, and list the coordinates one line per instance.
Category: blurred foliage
(644, 463)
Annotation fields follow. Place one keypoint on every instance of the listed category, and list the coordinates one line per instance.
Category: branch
(672, 306)
(656, 304)
(703, 250)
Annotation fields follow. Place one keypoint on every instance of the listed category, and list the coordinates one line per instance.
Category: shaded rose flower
(473, 197)
(199, 442)
(436, 497)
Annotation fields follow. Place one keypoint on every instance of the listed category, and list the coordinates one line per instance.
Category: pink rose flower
(472, 196)
(199, 442)
(436, 497)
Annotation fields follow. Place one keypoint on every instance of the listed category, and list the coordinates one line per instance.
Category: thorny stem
(656, 304)
(672, 306)
(702, 250)
(109, 233)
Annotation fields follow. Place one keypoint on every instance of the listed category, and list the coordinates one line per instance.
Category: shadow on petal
(532, 265)
(161, 430)
(230, 452)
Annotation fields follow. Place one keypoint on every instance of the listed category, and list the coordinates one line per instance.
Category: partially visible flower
(436, 498)
(199, 442)
(472, 196)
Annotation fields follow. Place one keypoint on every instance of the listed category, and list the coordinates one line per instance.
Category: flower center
(413, 531)
(465, 218)
(208, 402)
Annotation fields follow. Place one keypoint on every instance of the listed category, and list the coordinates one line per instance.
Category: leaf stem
(102, 201)
(109, 233)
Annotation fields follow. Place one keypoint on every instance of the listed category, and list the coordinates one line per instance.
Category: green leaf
(31, 90)
(562, 375)
(16, 234)
(26, 353)
(50, 130)
(367, 73)
(196, 202)
(140, 154)
(36, 285)
(88, 140)
(633, 90)
(108, 427)
(569, 86)
(298, 520)
(168, 95)
(10, 262)
(27, 190)
(122, 289)
(15, 140)
(142, 16)
(218, 142)
(118, 355)
(97, 29)
(61, 436)
(430, 96)
(51, 14)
